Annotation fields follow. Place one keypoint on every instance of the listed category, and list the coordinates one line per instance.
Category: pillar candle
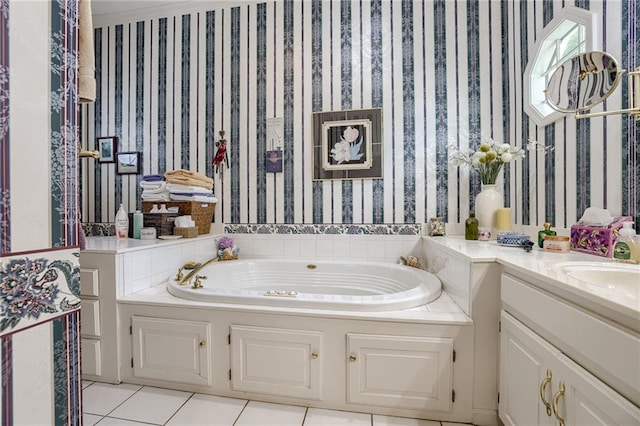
(503, 219)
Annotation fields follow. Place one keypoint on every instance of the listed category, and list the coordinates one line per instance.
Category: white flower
(350, 134)
(341, 152)
(506, 157)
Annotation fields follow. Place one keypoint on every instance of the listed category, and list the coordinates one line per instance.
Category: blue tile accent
(234, 99)
(261, 125)
(288, 159)
(186, 91)
(162, 95)
(442, 134)
(409, 131)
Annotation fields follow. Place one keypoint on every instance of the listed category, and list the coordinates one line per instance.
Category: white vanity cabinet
(541, 383)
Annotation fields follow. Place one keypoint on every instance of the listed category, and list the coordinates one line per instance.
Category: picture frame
(128, 163)
(107, 147)
(347, 144)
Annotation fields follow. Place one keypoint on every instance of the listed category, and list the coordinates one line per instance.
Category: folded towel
(174, 187)
(192, 194)
(152, 178)
(181, 173)
(155, 197)
(197, 198)
(189, 181)
(86, 56)
(153, 185)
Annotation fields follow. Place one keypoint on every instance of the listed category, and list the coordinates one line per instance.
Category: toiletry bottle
(543, 233)
(471, 227)
(122, 223)
(625, 245)
(163, 209)
(154, 209)
(137, 223)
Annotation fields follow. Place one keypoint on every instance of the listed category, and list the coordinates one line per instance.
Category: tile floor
(130, 405)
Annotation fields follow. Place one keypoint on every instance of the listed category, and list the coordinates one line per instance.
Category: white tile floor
(130, 405)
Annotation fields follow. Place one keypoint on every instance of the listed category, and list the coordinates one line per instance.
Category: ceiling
(108, 7)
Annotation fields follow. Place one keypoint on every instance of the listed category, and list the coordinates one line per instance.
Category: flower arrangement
(487, 160)
(227, 249)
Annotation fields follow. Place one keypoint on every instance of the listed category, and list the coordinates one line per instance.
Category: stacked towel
(178, 192)
(154, 190)
(187, 177)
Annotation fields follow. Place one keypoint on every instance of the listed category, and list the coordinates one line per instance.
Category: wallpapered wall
(444, 73)
(39, 271)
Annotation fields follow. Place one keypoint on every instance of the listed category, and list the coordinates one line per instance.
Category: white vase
(488, 201)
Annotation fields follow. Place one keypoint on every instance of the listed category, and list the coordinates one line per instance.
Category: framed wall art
(128, 163)
(107, 146)
(347, 144)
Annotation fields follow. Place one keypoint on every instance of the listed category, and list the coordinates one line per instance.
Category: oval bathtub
(335, 285)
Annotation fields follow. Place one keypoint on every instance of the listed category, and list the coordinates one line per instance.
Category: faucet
(194, 271)
(196, 282)
(180, 275)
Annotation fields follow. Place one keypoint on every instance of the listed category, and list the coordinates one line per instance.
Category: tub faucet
(179, 275)
(196, 282)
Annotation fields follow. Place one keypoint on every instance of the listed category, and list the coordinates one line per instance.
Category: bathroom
(286, 59)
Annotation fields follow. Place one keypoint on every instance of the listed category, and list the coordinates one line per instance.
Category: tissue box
(598, 240)
(186, 232)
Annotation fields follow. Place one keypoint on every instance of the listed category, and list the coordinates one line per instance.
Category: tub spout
(194, 271)
(179, 275)
(197, 281)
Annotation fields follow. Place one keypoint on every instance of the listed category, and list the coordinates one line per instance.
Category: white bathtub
(335, 285)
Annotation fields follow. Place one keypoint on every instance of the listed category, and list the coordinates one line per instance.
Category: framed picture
(128, 163)
(347, 144)
(107, 146)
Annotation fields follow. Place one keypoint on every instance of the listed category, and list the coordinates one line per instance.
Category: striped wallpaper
(444, 73)
(39, 268)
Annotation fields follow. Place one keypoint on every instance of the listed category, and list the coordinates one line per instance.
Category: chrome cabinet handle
(556, 399)
(543, 388)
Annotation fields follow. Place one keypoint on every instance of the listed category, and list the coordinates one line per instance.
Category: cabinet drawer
(172, 350)
(585, 338)
(90, 317)
(91, 357)
(89, 282)
(276, 361)
(400, 371)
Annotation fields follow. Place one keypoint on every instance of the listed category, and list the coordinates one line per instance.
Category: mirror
(582, 82)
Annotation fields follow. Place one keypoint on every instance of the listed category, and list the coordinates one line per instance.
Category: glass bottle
(544, 232)
(471, 227)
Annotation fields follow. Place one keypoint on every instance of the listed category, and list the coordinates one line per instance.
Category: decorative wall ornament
(347, 144)
(318, 229)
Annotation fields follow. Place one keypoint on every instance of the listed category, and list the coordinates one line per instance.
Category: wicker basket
(163, 222)
(201, 213)
(186, 232)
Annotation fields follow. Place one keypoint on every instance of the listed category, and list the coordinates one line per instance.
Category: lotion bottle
(625, 246)
(122, 223)
(543, 233)
(137, 223)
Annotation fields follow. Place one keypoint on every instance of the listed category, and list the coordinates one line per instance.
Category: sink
(608, 277)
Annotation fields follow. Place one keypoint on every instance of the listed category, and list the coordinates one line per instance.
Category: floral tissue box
(598, 240)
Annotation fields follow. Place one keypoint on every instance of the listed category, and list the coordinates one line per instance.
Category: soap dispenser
(624, 248)
(542, 234)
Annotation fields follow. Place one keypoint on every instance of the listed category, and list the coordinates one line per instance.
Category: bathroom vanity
(569, 346)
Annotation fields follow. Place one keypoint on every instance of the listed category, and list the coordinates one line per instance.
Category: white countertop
(122, 245)
(540, 268)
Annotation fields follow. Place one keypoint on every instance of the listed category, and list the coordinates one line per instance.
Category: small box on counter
(201, 213)
(598, 240)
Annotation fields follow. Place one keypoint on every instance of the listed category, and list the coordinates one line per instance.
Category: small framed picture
(107, 146)
(128, 163)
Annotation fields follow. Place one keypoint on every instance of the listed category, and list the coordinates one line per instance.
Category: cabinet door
(400, 371)
(91, 357)
(588, 401)
(276, 361)
(525, 365)
(172, 350)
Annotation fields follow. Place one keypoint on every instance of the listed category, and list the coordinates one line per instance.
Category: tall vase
(488, 201)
